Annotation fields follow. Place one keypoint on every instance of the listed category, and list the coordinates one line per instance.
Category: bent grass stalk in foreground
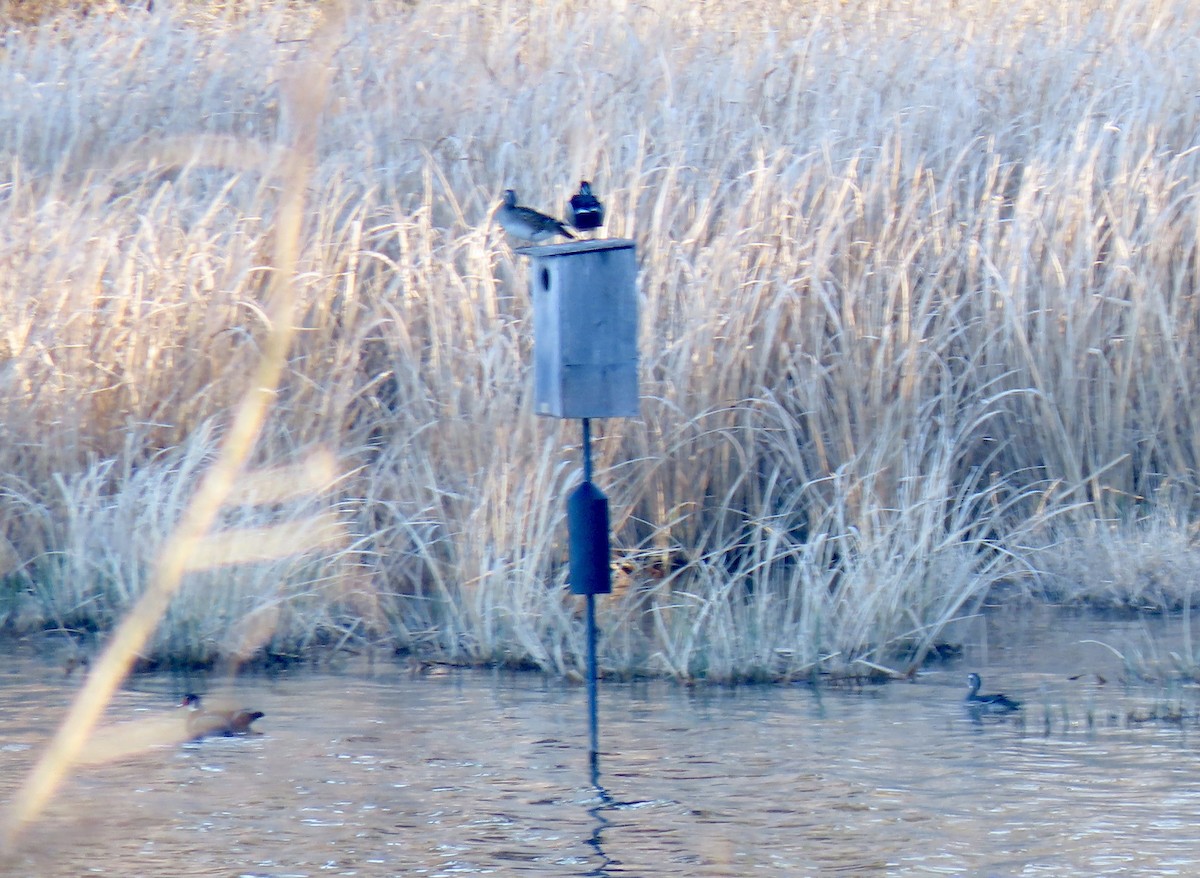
(191, 544)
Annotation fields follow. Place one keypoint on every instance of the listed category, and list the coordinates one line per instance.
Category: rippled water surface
(374, 773)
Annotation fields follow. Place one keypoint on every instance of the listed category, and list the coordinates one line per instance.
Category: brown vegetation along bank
(918, 315)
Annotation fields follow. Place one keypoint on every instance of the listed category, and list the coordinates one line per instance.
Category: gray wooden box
(585, 327)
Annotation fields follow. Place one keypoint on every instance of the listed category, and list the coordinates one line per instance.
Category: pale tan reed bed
(917, 311)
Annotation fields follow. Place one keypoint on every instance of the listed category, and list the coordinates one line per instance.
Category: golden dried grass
(915, 281)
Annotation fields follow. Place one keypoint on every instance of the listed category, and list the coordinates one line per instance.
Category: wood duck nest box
(585, 328)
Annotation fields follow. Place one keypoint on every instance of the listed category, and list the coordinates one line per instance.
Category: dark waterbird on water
(203, 723)
(997, 703)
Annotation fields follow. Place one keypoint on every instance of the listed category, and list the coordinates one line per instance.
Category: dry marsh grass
(917, 287)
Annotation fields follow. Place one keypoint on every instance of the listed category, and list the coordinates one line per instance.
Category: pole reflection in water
(604, 802)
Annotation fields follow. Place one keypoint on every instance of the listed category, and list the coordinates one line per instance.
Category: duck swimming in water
(997, 703)
(203, 723)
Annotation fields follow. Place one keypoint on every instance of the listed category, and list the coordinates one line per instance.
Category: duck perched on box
(525, 223)
(584, 210)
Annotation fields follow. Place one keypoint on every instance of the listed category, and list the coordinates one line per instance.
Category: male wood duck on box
(203, 723)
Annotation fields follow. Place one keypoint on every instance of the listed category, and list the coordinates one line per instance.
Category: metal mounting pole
(587, 449)
(593, 710)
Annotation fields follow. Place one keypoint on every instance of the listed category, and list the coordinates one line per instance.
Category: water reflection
(377, 774)
(604, 802)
